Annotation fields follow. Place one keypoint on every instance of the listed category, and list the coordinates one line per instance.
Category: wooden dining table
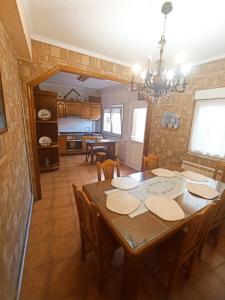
(142, 233)
(106, 143)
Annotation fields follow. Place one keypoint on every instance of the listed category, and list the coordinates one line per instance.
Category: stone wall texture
(172, 145)
(15, 186)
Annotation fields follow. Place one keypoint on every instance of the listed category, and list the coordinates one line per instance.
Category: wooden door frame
(32, 116)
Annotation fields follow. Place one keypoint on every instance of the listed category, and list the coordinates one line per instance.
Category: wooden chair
(100, 157)
(94, 234)
(180, 251)
(214, 230)
(150, 162)
(88, 151)
(108, 168)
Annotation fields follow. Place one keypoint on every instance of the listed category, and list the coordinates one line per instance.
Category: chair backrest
(219, 216)
(150, 162)
(108, 167)
(195, 232)
(88, 216)
(187, 165)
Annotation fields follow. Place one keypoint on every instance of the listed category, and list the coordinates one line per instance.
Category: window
(208, 128)
(112, 119)
(138, 124)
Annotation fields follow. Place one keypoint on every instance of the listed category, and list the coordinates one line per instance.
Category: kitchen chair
(108, 167)
(93, 233)
(214, 230)
(150, 162)
(100, 156)
(179, 251)
(88, 150)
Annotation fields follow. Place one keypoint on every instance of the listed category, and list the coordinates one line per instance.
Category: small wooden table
(91, 144)
(140, 234)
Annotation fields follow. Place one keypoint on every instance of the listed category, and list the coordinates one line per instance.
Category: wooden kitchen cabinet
(61, 109)
(87, 110)
(73, 108)
(62, 144)
(96, 111)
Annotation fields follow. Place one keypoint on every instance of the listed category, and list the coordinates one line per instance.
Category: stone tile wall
(170, 145)
(15, 187)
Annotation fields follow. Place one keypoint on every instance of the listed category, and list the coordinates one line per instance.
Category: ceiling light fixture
(157, 83)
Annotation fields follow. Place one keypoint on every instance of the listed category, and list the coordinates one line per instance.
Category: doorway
(137, 122)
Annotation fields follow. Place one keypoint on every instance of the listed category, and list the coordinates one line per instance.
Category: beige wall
(15, 190)
(172, 145)
(46, 57)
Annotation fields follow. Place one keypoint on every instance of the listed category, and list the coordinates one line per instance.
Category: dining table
(91, 145)
(138, 235)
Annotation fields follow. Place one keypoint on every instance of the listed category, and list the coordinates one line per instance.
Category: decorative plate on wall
(45, 141)
(44, 114)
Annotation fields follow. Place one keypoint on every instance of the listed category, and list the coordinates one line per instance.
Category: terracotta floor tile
(37, 256)
(44, 203)
(63, 212)
(220, 272)
(62, 200)
(40, 232)
(64, 227)
(64, 248)
(40, 216)
(35, 285)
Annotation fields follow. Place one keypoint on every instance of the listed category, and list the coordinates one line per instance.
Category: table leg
(86, 152)
(92, 155)
(130, 279)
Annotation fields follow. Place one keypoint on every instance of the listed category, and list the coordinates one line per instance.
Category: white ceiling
(70, 80)
(128, 30)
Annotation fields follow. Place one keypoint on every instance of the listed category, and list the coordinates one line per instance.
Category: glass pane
(138, 125)
(107, 121)
(116, 120)
(208, 129)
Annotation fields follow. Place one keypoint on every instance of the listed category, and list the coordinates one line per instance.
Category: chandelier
(157, 82)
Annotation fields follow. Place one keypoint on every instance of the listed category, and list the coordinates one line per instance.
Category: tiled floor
(53, 268)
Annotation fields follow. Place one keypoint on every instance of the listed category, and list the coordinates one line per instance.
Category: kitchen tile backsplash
(76, 124)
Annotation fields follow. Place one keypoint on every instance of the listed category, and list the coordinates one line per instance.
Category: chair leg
(83, 248)
(100, 273)
(173, 278)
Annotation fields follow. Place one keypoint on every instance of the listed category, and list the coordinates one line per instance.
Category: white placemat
(125, 183)
(161, 186)
(122, 202)
(165, 208)
(163, 172)
(202, 190)
(194, 176)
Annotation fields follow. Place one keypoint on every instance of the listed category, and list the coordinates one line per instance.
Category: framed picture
(3, 122)
(170, 120)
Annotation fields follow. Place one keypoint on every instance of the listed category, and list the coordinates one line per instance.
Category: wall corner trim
(20, 277)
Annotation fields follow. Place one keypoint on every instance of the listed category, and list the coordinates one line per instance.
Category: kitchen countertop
(79, 133)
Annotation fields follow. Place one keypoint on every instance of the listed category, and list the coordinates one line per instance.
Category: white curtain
(208, 128)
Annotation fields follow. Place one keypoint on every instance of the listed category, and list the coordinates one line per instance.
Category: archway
(30, 88)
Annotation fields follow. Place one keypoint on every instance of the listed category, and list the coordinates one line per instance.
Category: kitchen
(73, 103)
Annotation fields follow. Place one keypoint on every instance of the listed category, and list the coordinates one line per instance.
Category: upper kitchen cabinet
(61, 109)
(96, 111)
(86, 110)
(73, 108)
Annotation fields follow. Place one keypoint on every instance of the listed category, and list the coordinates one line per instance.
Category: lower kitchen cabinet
(62, 144)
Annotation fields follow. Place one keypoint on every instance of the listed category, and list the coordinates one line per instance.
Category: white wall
(62, 90)
(120, 95)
